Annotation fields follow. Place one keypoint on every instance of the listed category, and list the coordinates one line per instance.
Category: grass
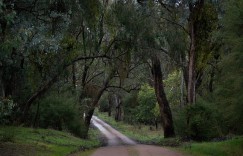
(232, 147)
(140, 133)
(43, 142)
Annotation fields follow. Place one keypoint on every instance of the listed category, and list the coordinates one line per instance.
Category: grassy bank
(140, 133)
(42, 142)
(232, 147)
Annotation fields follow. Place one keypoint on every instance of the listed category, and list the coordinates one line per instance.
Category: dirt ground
(136, 150)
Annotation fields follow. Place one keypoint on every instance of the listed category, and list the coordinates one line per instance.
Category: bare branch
(90, 79)
(88, 58)
(125, 89)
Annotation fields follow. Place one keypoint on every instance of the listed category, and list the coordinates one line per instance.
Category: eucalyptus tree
(184, 33)
(192, 49)
(43, 44)
(97, 38)
(139, 28)
(42, 25)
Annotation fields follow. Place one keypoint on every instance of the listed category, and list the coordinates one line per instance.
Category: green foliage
(130, 102)
(233, 24)
(229, 90)
(91, 10)
(198, 122)
(147, 102)
(7, 11)
(207, 21)
(172, 88)
(156, 111)
(6, 111)
(59, 112)
(104, 104)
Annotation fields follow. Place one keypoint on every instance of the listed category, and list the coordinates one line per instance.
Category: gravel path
(120, 145)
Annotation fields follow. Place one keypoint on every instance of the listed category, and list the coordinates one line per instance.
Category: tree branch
(125, 89)
(88, 58)
(94, 77)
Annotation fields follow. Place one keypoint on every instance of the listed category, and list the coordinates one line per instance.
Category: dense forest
(171, 63)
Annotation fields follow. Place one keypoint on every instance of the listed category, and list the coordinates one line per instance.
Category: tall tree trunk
(192, 24)
(182, 89)
(166, 116)
(2, 90)
(118, 116)
(185, 75)
(118, 108)
(110, 99)
(191, 66)
(74, 76)
(210, 85)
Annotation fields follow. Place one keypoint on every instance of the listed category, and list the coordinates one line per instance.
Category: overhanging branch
(128, 90)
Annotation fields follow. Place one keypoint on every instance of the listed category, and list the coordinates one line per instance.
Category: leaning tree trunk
(94, 103)
(37, 94)
(166, 116)
(90, 112)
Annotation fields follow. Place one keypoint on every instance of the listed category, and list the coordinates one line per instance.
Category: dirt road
(120, 145)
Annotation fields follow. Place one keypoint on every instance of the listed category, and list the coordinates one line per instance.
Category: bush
(147, 104)
(59, 112)
(104, 104)
(130, 102)
(198, 122)
(6, 110)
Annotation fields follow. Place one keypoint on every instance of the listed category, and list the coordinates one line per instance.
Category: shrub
(147, 103)
(104, 104)
(198, 122)
(59, 112)
(6, 110)
(130, 102)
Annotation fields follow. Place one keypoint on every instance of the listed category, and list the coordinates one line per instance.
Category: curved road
(120, 145)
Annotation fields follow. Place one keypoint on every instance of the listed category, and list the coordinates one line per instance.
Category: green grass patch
(28, 141)
(232, 147)
(140, 133)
